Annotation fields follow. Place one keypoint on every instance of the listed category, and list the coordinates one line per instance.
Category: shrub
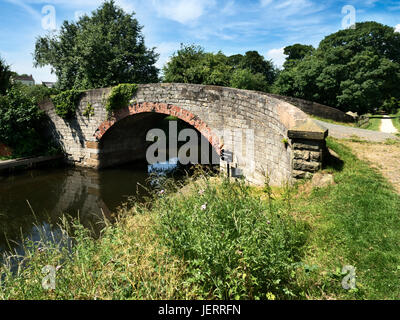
(391, 105)
(234, 245)
(120, 96)
(67, 102)
(20, 122)
(245, 79)
(39, 92)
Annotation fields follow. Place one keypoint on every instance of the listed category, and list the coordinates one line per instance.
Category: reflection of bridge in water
(51, 193)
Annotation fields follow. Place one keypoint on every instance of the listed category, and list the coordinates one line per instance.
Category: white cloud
(182, 11)
(397, 28)
(277, 56)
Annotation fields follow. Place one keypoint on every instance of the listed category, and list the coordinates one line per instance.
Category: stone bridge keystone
(276, 137)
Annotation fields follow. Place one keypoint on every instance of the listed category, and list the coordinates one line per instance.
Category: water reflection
(35, 200)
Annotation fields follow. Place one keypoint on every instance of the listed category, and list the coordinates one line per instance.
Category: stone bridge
(276, 137)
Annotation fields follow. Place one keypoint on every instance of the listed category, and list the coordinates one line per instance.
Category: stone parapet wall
(316, 109)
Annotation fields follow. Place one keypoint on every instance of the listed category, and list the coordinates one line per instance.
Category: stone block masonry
(265, 134)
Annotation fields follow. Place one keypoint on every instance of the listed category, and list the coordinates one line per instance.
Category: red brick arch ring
(164, 108)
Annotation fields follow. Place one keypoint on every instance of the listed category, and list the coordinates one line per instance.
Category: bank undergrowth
(216, 239)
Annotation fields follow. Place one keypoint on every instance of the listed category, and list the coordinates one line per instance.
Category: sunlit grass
(215, 239)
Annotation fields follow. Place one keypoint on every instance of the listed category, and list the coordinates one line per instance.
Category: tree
(245, 79)
(20, 122)
(296, 53)
(5, 75)
(191, 64)
(102, 50)
(256, 63)
(353, 69)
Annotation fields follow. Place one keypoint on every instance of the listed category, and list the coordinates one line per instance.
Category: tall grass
(215, 239)
(235, 246)
(355, 222)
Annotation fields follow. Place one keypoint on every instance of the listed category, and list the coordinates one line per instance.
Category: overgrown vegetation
(120, 96)
(235, 246)
(66, 103)
(221, 240)
(21, 120)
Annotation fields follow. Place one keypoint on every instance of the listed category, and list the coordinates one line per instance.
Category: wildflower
(201, 192)
(40, 249)
(58, 268)
(204, 207)
(162, 192)
(268, 222)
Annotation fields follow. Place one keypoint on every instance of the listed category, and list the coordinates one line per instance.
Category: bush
(120, 96)
(391, 105)
(235, 246)
(67, 102)
(38, 92)
(245, 79)
(20, 122)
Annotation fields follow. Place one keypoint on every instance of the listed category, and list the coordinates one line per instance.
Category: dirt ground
(384, 157)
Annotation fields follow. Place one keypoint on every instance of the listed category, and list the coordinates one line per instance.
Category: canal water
(32, 202)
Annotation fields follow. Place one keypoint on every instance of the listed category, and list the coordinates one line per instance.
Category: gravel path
(343, 132)
(387, 125)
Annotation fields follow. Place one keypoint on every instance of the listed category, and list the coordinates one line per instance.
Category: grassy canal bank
(215, 239)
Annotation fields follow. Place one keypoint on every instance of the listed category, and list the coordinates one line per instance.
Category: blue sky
(232, 26)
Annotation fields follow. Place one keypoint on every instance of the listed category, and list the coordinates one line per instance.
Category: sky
(230, 26)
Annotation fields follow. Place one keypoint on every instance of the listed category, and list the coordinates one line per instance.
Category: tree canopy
(353, 69)
(296, 53)
(104, 49)
(191, 64)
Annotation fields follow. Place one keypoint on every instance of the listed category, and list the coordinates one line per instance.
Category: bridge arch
(122, 139)
(166, 109)
(265, 133)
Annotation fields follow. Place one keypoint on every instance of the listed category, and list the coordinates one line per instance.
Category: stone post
(308, 149)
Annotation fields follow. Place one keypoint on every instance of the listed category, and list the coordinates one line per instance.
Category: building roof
(24, 78)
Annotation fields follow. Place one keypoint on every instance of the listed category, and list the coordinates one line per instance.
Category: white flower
(204, 207)
(201, 192)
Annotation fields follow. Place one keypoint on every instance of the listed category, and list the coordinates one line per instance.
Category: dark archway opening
(125, 148)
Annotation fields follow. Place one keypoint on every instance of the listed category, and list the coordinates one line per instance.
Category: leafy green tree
(296, 53)
(5, 74)
(256, 63)
(245, 79)
(353, 69)
(104, 49)
(21, 122)
(191, 64)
